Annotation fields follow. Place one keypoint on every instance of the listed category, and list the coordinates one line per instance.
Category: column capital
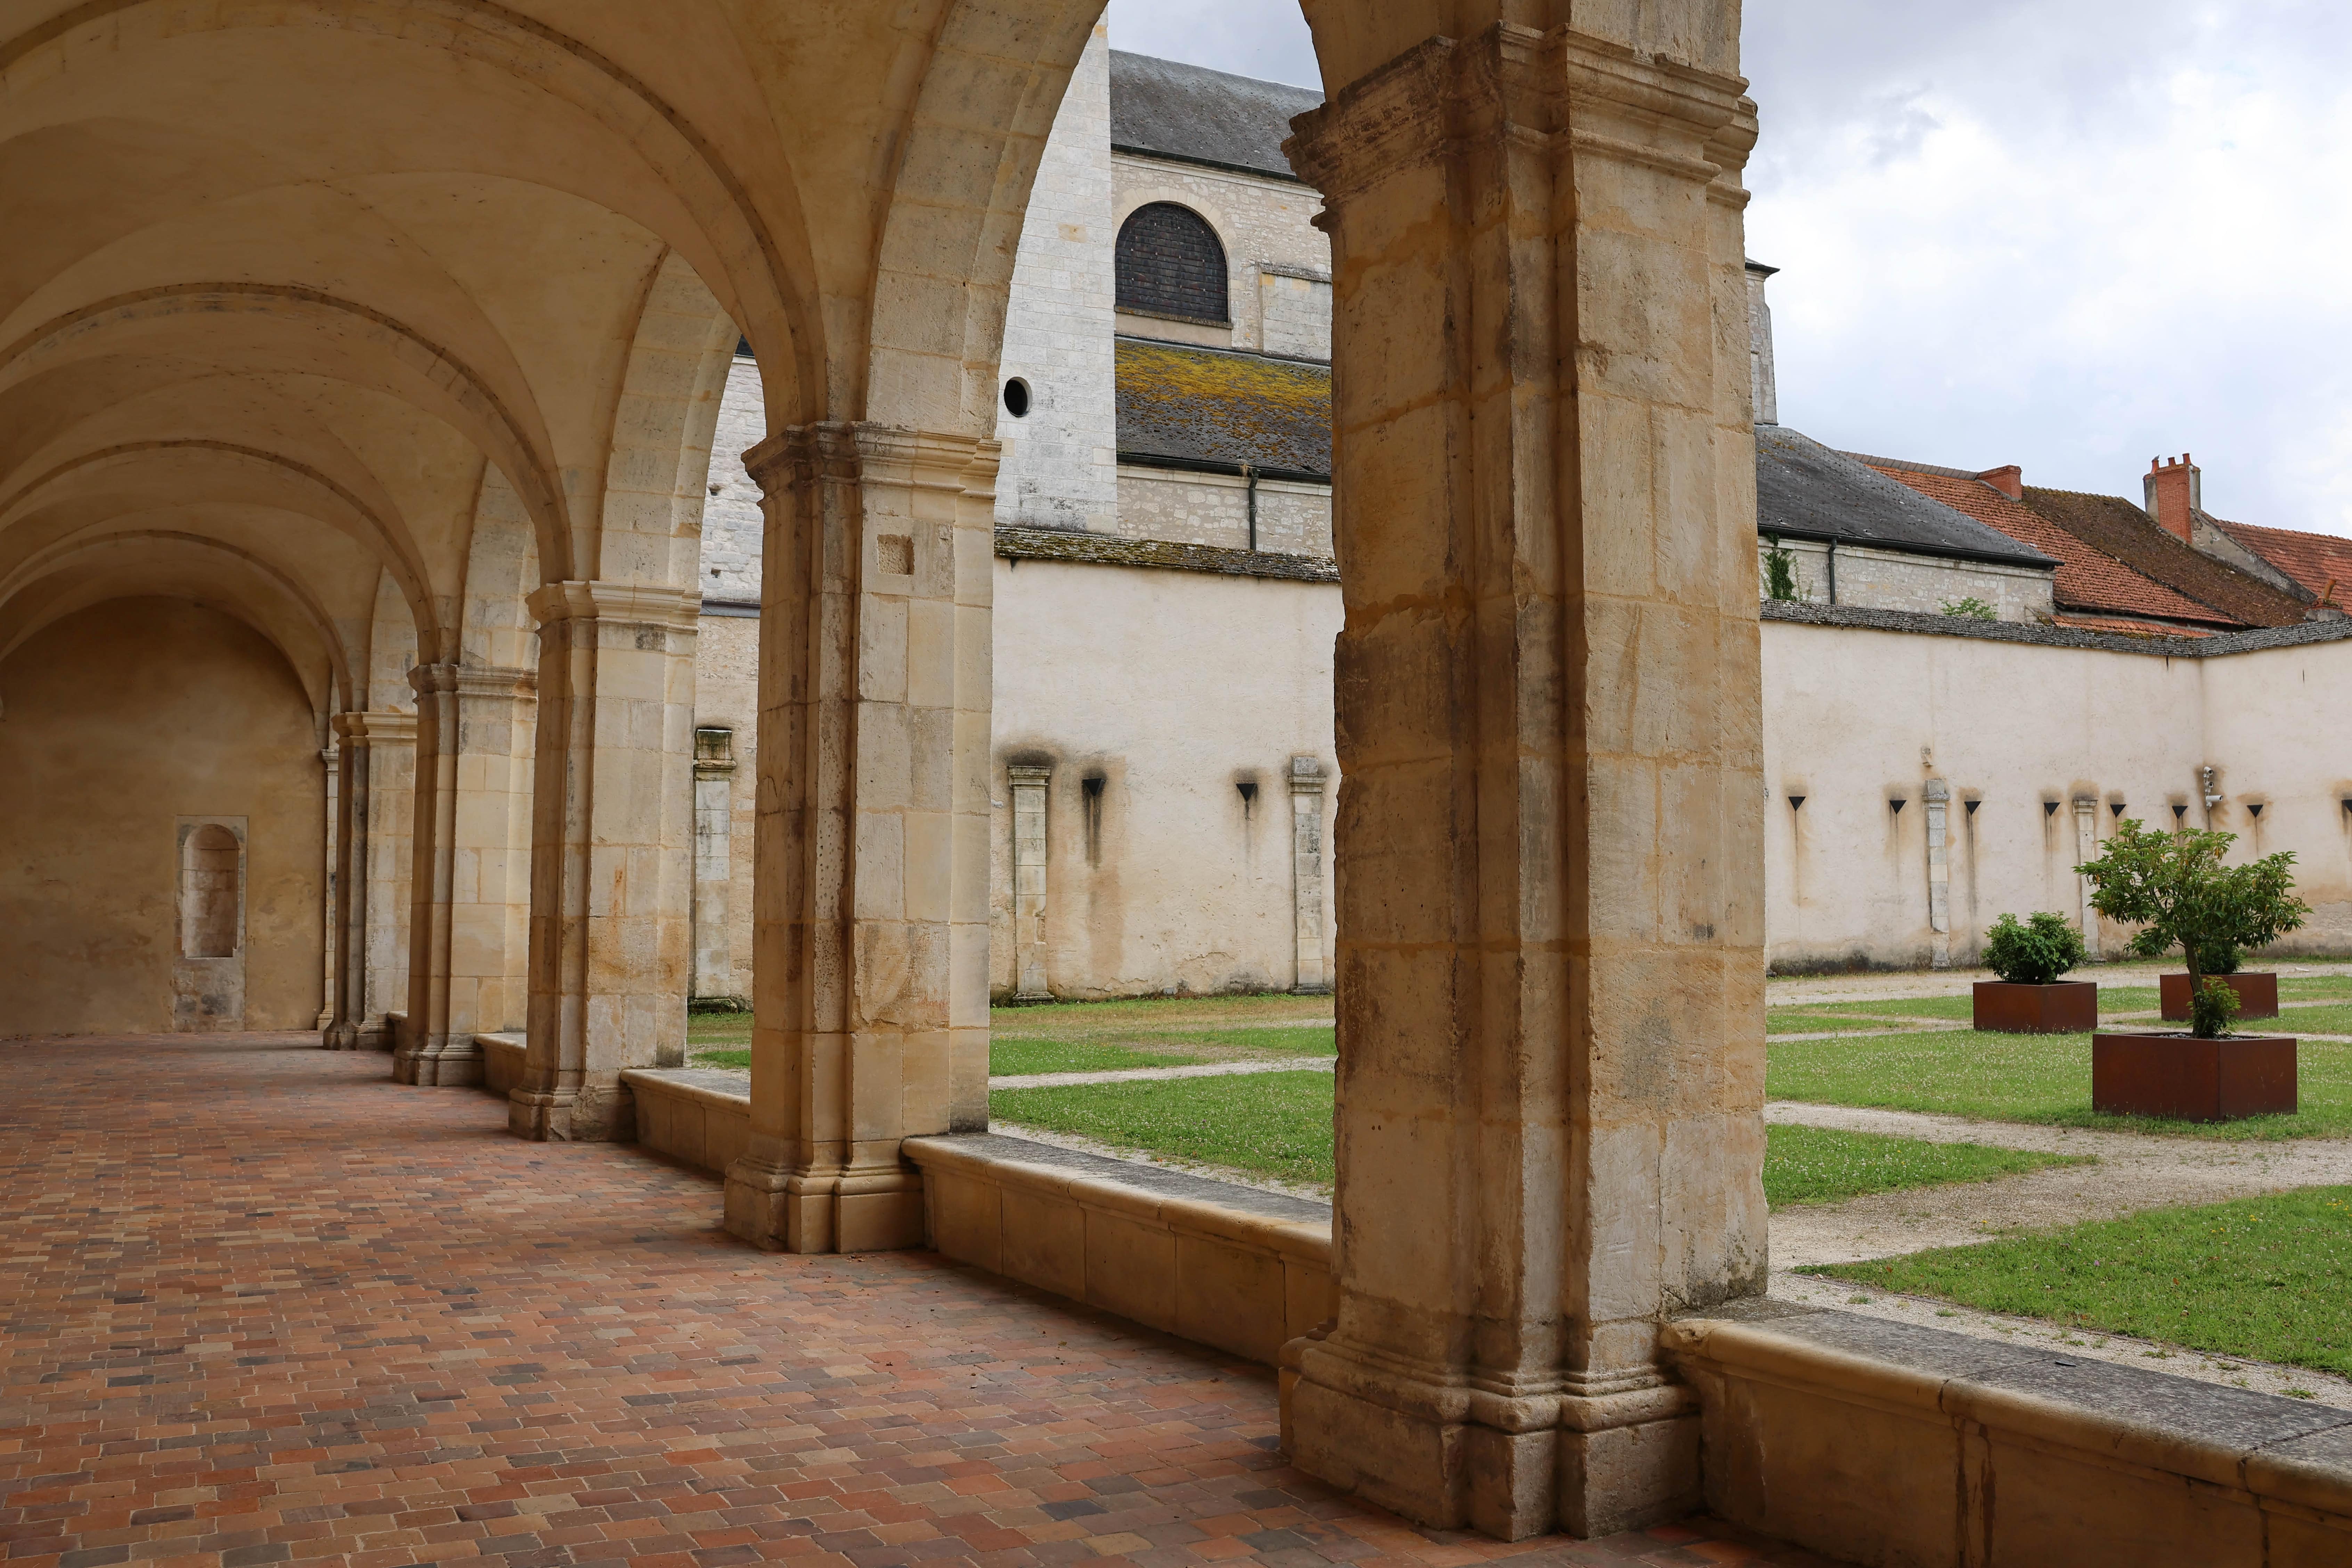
(1307, 775)
(475, 680)
(624, 603)
(375, 728)
(1536, 88)
(1028, 773)
(714, 752)
(847, 450)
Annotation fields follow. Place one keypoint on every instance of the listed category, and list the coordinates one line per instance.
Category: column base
(592, 1113)
(446, 1062)
(781, 1210)
(1512, 1466)
(340, 1038)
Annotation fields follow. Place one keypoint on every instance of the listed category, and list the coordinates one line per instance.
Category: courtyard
(1896, 1135)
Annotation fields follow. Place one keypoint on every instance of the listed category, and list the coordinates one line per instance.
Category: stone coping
(2217, 646)
(1118, 549)
(714, 1086)
(1284, 1224)
(502, 1042)
(2276, 1449)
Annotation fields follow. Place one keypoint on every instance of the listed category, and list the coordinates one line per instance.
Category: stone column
(1938, 797)
(714, 860)
(1306, 872)
(1549, 852)
(377, 752)
(611, 853)
(871, 934)
(468, 892)
(2087, 848)
(1028, 783)
(331, 944)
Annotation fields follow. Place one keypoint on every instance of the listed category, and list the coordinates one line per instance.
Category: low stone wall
(697, 1115)
(1884, 1443)
(502, 1061)
(1230, 1267)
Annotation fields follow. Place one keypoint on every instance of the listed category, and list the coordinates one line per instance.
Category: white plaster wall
(1893, 580)
(727, 697)
(1293, 518)
(1058, 468)
(1848, 714)
(1260, 221)
(1172, 686)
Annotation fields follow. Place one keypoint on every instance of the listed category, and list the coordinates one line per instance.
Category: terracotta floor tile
(265, 1306)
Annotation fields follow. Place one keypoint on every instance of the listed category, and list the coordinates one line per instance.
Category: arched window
(208, 893)
(1170, 264)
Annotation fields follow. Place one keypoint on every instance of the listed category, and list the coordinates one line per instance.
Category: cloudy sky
(2068, 234)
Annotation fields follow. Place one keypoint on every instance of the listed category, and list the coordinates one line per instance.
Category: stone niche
(208, 961)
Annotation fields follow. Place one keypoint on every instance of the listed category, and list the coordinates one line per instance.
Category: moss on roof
(1215, 405)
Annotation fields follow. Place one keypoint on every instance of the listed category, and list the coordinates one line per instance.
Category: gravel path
(2135, 1171)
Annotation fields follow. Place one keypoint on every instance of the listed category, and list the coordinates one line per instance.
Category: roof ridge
(1905, 464)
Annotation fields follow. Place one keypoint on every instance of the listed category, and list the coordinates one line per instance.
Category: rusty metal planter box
(2192, 1079)
(2065, 1007)
(2257, 994)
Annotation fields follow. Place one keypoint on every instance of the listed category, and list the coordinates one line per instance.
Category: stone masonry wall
(1213, 509)
(1263, 223)
(730, 517)
(1889, 580)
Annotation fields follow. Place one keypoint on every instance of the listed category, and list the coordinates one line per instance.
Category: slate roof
(2313, 560)
(2115, 527)
(1806, 491)
(2088, 580)
(1187, 404)
(1165, 110)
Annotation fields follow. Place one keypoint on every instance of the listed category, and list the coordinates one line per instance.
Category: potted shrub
(2029, 998)
(2257, 994)
(2174, 886)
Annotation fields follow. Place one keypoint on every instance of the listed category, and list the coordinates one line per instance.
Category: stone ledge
(1118, 549)
(503, 1056)
(1242, 1270)
(697, 1116)
(2219, 646)
(1843, 1433)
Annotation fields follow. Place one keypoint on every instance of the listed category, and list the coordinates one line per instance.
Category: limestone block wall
(1152, 696)
(124, 723)
(1058, 460)
(1266, 224)
(1893, 580)
(1293, 518)
(730, 516)
(726, 696)
(1855, 720)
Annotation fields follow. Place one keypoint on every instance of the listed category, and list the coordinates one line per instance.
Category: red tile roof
(2115, 527)
(2314, 560)
(2089, 580)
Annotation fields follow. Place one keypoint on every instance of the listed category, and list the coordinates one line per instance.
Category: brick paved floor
(262, 1306)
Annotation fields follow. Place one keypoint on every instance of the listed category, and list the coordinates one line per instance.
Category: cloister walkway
(262, 1306)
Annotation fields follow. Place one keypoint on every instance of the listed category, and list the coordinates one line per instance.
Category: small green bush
(2033, 953)
(1779, 571)
(1970, 609)
(2210, 1008)
(2219, 958)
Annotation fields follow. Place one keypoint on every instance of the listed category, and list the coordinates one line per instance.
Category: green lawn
(1823, 1165)
(1807, 1020)
(1273, 1124)
(1009, 1055)
(2025, 1078)
(1279, 1125)
(2268, 1278)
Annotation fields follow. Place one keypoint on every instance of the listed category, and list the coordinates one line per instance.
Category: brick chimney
(2175, 496)
(2010, 482)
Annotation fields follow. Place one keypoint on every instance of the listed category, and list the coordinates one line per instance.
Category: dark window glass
(1170, 264)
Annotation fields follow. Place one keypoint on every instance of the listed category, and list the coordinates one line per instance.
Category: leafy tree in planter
(2033, 953)
(2175, 887)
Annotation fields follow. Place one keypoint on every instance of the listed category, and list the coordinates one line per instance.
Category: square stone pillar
(376, 752)
(1306, 873)
(612, 845)
(2086, 849)
(1029, 784)
(469, 894)
(331, 949)
(1938, 797)
(870, 952)
(1550, 869)
(714, 860)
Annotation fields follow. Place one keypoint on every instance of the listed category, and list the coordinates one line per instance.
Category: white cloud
(2070, 236)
